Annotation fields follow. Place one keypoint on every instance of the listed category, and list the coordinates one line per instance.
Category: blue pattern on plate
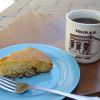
(64, 75)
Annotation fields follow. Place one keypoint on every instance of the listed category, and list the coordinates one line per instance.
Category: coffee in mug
(83, 35)
(86, 20)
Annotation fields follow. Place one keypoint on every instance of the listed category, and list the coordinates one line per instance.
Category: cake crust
(26, 62)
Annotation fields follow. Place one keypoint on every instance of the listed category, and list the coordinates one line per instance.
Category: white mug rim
(87, 10)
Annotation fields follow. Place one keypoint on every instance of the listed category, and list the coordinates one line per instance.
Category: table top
(50, 30)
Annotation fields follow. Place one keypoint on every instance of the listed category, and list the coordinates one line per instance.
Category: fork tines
(7, 84)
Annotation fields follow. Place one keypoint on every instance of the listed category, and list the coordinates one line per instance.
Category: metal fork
(12, 86)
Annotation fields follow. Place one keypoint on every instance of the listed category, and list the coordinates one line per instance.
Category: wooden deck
(51, 7)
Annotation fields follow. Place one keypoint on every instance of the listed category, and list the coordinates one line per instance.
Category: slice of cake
(26, 62)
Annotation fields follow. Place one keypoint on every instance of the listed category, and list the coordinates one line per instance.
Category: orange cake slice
(23, 63)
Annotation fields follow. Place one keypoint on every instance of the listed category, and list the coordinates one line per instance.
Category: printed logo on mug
(83, 35)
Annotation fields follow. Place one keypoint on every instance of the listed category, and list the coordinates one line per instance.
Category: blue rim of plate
(64, 66)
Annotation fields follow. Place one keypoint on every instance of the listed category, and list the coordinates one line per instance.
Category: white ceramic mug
(83, 40)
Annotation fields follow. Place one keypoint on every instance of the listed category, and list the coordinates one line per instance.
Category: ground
(51, 7)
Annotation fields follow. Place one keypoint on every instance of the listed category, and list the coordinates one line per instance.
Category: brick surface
(13, 9)
(43, 2)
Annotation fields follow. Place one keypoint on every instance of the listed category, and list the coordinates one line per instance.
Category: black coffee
(86, 20)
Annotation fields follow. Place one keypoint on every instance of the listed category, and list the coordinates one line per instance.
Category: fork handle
(73, 96)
